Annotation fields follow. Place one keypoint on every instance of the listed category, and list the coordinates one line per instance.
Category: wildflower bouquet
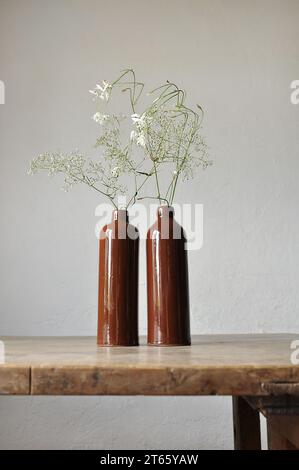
(159, 133)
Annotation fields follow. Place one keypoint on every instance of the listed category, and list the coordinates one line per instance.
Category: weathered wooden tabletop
(214, 365)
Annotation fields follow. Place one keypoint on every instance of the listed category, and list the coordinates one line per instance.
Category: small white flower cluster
(138, 135)
(115, 172)
(100, 118)
(103, 91)
(78, 169)
(70, 165)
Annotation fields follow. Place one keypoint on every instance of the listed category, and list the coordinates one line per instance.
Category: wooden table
(256, 370)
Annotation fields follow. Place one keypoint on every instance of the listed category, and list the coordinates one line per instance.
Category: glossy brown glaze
(167, 281)
(118, 283)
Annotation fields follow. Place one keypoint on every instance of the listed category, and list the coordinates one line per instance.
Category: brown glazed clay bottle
(118, 282)
(167, 282)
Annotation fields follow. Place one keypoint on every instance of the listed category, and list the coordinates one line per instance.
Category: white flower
(133, 136)
(140, 121)
(138, 137)
(175, 172)
(105, 89)
(100, 118)
(141, 140)
(136, 118)
(115, 171)
(102, 91)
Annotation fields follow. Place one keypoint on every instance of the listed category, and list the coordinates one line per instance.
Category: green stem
(85, 178)
(182, 163)
(157, 182)
(153, 197)
(169, 188)
(133, 198)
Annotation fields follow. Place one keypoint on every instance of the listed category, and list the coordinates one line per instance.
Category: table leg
(283, 432)
(247, 434)
(276, 440)
(282, 413)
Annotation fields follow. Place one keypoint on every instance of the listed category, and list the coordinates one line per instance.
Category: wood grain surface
(213, 365)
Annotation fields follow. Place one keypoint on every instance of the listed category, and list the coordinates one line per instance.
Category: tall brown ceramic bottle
(118, 282)
(167, 281)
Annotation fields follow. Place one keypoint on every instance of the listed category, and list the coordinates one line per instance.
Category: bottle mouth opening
(165, 211)
(120, 214)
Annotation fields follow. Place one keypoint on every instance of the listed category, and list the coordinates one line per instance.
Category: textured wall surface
(237, 59)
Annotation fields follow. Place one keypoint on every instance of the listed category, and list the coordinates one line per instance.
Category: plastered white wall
(237, 58)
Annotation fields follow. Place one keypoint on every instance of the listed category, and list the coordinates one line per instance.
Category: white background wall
(237, 58)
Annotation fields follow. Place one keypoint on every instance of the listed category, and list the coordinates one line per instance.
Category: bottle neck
(165, 212)
(120, 215)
